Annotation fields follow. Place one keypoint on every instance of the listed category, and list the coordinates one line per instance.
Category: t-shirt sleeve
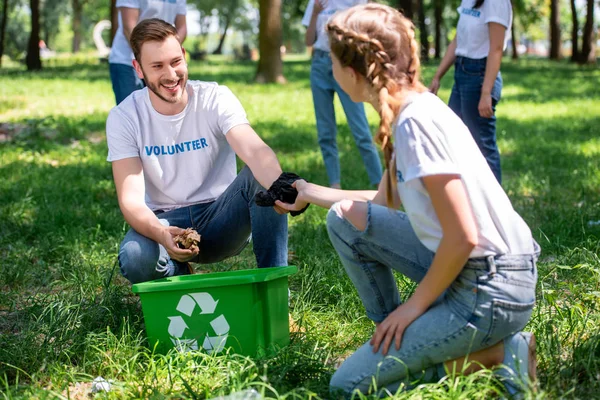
(499, 11)
(181, 7)
(422, 150)
(120, 136)
(128, 3)
(308, 12)
(230, 112)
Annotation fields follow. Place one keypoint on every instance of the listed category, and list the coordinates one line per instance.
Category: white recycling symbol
(177, 326)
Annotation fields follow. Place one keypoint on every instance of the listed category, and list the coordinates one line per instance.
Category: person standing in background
(323, 87)
(131, 12)
(476, 52)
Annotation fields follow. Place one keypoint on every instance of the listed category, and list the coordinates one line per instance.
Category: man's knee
(138, 263)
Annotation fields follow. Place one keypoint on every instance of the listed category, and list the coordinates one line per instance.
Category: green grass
(65, 318)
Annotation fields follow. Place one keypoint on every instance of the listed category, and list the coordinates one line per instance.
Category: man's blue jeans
(491, 299)
(225, 226)
(124, 81)
(323, 87)
(464, 101)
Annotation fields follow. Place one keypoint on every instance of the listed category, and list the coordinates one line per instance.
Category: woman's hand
(393, 327)
(319, 6)
(300, 202)
(435, 85)
(485, 106)
(167, 240)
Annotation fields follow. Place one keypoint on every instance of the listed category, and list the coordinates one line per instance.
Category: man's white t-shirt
(186, 158)
(472, 32)
(333, 6)
(167, 10)
(431, 140)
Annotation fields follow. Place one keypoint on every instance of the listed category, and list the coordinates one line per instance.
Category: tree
(406, 6)
(588, 49)
(227, 12)
(574, 33)
(50, 14)
(3, 27)
(439, 20)
(424, 37)
(555, 42)
(33, 60)
(76, 24)
(270, 65)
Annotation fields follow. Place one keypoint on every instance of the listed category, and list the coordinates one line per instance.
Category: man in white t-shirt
(173, 148)
(130, 13)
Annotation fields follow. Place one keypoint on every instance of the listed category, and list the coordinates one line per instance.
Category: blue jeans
(124, 81)
(225, 226)
(464, 101)
(323, 87)
(491, 299)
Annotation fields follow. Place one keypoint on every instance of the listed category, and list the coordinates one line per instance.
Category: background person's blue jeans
(464, 101)
(479, 309)
(323, 87)
(225, 226)
(124, 80)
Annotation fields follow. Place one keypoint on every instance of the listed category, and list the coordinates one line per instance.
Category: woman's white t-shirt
(332, 6)
(472, 32)
(431, 140)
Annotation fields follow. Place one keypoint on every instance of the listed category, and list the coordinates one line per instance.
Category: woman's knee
(355, 212)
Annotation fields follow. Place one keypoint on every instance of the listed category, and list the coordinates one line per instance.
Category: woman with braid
(460, 239)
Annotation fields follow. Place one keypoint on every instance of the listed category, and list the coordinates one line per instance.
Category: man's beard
(156, 90)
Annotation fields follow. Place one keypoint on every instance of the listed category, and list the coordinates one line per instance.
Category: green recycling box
(246, 311)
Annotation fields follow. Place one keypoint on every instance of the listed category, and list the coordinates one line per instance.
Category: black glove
(281, 190)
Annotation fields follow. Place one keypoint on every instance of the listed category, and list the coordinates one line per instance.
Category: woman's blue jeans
(225, 226)
(491, 299)
(464, 101)
(323, 87)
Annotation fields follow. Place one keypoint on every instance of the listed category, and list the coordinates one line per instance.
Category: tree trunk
(114, 20)
(588, 48)
(406, 6)
(438, 11)
(555, 44)
(574, 33)
(76, 25)
(423, 33)
(219, 49)
(514, 41)
(3, 28)
(270, 65)
(33, 60)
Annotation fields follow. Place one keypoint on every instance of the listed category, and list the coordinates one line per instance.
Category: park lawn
(66, 315)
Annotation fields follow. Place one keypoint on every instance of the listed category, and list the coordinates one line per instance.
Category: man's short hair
(150, 30)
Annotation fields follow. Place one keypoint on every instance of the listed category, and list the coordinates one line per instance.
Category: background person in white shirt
(131, 12)
(173, 148)
(481, 36)
(324, 86)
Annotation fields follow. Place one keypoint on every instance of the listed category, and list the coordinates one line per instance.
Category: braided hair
(379, 43)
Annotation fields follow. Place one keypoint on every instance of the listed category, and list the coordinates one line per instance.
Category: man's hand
(299, 204)
(166, 238)
(393, 327)
(485, 106)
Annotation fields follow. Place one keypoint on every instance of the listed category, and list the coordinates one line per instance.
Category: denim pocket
(474, 69)
(507, 318)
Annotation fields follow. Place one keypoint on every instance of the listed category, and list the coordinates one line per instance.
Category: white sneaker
(518, 372)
